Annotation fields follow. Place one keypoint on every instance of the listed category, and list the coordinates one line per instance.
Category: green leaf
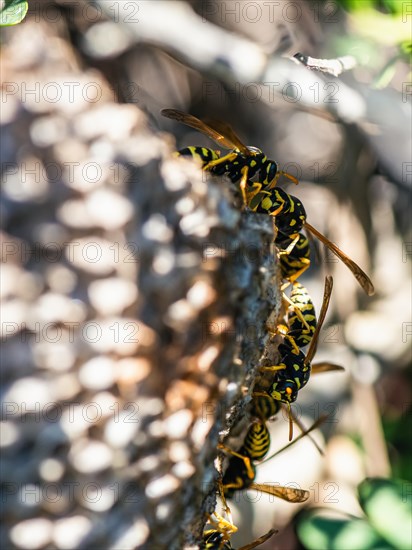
(387, 503)
(13, 12)
(318, 532)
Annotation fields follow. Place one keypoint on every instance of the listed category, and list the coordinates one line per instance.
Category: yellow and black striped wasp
(294, 368)
(242, 164)
(257, 441)
(264, 407)
(241, 471)
(218, 536)
(290, 218)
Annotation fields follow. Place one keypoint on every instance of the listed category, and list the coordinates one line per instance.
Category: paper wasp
(244, 163)
(264, 407)
(241, 473)
(290, 217)
(218, 537)
(294, 368)
(240, 165)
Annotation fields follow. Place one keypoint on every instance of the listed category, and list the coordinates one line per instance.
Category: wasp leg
(288, 176)
(296, 275)
(230, 157)
(275, 180)
(245, 459)
(293, 343)
(297, 311)
(225, 505)
(261, 200)
(272, 368)
(253, 189)
(289, 249)
(283, 330)
(243, 182)
(227, 528)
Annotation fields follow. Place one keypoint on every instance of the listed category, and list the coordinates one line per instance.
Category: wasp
(218, 538)
(301, 321)
(241, 164)
(241, 473)
(294, 368)
(290, 218)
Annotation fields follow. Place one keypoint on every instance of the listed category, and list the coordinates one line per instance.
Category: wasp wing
(290, 494)
(227, 131)
(317, 368)
(325, 304)
(215, 134)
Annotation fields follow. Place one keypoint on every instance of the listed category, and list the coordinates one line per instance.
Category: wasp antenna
(260, 540)
(315, 425)
(290, 423)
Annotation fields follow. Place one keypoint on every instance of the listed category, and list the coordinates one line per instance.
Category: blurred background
(346, 138)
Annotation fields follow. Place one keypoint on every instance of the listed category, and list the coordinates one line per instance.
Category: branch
(334, 67)
(234, 59)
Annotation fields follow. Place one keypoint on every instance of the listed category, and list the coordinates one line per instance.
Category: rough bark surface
(135, 300)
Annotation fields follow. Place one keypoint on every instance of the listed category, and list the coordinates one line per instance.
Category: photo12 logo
(291, 12)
